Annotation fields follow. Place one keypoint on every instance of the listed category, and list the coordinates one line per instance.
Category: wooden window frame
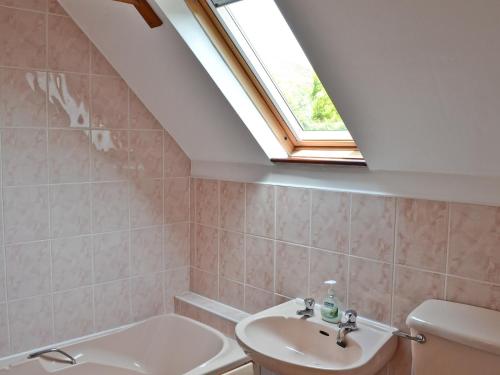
(223, 42)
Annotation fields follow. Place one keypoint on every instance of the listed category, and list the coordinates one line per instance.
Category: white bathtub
(164, 345)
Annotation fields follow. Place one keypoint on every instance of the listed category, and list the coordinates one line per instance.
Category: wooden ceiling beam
(146, 11)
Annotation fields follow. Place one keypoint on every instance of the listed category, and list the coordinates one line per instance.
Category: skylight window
(259, 46)
(269, 45)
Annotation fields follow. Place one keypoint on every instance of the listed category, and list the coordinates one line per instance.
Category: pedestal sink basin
(283, 342)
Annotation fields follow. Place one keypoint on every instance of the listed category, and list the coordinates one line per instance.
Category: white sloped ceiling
(418, 82)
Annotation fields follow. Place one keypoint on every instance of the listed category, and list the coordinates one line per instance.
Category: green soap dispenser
(330, 310)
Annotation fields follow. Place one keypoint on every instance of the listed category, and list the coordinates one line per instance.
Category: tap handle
(351, 316)
(309, 303)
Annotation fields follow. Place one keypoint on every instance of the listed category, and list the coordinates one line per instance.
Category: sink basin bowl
(281, 341)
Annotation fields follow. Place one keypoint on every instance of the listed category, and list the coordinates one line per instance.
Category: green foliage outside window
(312, 106)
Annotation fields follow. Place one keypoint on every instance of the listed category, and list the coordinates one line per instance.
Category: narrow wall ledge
(454, 188)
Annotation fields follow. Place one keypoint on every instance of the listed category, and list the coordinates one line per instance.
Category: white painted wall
(417, 81)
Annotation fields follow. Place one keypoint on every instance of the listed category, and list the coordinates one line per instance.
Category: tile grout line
(309, 242)
(75, 128)
(91, 198)
(244, 245)
(275, 243)
(190, 231)
(89, 286)
(163, 221)
(195, 229)
(394, 266)
(4, 250)
(49, 203)
(82, 182)
(87, 234)
(447, 270)
(129, 190)
(45, 11)
(219, 231)
(49, 70)
(156, 226)
(349, 244)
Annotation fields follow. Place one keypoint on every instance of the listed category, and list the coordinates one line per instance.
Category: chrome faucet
(346, 326)
(309, 308)
(70, 359)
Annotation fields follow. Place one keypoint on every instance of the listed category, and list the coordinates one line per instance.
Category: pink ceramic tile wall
(255, 245)
(94, 193)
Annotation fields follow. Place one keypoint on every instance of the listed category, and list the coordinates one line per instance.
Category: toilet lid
(468, 325)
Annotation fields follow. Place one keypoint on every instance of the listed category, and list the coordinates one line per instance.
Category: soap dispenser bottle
(330, 310)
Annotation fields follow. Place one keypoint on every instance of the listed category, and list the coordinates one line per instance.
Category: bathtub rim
(227, 345)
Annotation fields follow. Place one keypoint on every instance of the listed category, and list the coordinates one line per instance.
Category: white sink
(281, 341)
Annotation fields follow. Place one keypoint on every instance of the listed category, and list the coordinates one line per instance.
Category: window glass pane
(272, 41)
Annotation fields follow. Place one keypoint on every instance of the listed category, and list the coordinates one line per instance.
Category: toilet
(460, 339)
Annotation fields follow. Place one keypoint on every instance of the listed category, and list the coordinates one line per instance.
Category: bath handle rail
(421, 339)
(70, 358)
